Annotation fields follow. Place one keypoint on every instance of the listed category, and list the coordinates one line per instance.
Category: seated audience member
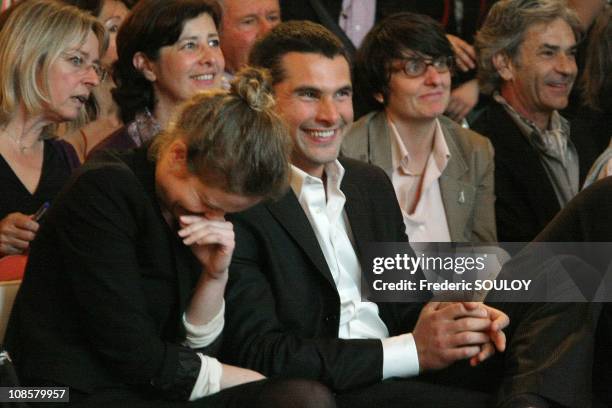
(50, 63)
(527, 61)
(594, 119)
(442, 173)
(587, 219)
(103, 114)
(294, 303)
(243, 23)
(136, 232)
(168, 50)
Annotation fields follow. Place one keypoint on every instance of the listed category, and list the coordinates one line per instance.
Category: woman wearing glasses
(442, 173)
(168, 51)
(50, 64)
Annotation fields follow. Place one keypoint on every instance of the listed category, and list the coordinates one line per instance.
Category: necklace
(22, 147)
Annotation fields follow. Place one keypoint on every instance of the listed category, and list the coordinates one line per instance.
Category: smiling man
(294, 305)
(527, 62)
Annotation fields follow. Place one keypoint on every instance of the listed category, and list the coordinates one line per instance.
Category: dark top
(525, 198)
(58, 163)
(106, 283)
(593, 130)
(282, 305)
(137, 133)
(119, 140)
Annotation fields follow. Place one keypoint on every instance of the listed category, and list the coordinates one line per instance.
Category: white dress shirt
(323, 204)
(428, 222)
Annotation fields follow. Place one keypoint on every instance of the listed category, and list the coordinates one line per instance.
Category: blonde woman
(50, 55)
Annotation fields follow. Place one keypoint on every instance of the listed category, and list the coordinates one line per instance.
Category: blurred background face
(112, 16)
(192, 64)
(244, 21)
(424, 97)
(71, 78)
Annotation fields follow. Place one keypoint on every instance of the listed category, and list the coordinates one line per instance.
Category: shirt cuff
(209, 378)
(202, 335)
(400, 357)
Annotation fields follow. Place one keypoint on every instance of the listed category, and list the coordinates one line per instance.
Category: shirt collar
(555, 138)
(143, 128)
(556, 123)
(401, 156)
(333, 171)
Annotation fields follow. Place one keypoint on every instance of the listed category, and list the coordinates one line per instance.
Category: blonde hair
(234, 138)
(33, 36)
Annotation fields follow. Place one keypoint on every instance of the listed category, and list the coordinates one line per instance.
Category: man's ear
(504, 66)
(379, 98)
(142, 63)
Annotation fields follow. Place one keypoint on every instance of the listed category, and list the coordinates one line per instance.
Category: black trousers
(408, 393)
(275, 393)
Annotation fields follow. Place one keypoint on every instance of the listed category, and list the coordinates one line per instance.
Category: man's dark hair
(294, 36)
(151, 25)
(390, 40)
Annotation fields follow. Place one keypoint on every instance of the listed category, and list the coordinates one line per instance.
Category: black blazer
(525, 198)
(282, 306)
(105, 287)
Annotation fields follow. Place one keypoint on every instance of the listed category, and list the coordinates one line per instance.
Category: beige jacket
(466, 184)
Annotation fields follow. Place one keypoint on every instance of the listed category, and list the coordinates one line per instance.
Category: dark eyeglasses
(416, 66)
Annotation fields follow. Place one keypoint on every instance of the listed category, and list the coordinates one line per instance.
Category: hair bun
(253, 85)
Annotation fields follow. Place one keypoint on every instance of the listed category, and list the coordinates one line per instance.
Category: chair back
(12, 268)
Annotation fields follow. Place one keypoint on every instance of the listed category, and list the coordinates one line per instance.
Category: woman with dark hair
(441, 172)
(102, 111)
(168, 51)
(50, 64)
(105, 306)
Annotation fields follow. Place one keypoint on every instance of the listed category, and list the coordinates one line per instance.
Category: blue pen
(41, 211)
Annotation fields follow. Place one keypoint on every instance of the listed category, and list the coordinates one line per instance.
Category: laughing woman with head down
(50, 63)
(138, 232)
